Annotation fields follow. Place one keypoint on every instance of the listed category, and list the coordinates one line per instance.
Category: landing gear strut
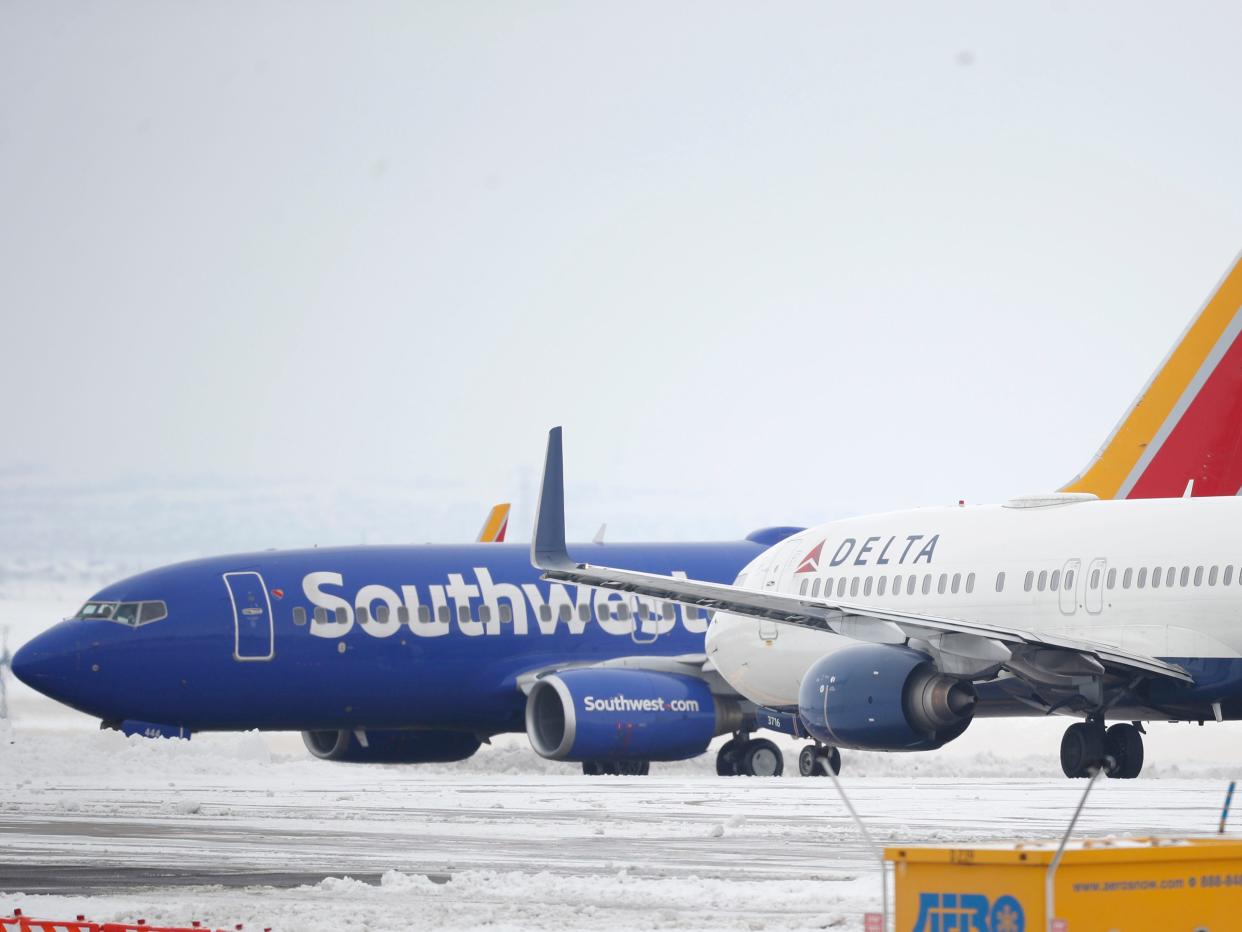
(1087, 746)
(742, 756)
(815, 760)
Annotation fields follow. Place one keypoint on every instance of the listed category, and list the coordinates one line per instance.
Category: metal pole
(875, 849)
(1224, 812)
(1049, 895)
(5, 657)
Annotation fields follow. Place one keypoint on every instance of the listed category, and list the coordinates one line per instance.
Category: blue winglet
(547, 549)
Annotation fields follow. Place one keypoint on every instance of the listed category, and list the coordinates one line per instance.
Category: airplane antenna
(599, 535)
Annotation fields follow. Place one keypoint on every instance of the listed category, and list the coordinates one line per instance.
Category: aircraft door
(1070, 582)
(253, 632)
(1093, 586)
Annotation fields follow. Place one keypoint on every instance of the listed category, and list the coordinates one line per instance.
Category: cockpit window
(96, 610)
(152, 611)
(124, 613)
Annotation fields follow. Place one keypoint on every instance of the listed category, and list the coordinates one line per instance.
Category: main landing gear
(815, 760)
(743, 756)
(1088, 745)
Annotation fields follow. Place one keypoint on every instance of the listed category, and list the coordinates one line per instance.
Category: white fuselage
(1081, 569)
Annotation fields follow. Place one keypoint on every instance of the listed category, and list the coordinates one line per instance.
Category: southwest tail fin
(1187, 422)
(493, 530)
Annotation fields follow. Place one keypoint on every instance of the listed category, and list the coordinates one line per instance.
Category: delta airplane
(1115, 599)
(419, 654)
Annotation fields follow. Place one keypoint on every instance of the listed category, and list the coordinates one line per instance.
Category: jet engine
(602, 714)
(883, 698)
(391, 747)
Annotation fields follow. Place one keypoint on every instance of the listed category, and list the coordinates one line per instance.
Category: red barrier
(19, 923)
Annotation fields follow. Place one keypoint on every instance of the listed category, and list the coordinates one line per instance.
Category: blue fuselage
(362, 637)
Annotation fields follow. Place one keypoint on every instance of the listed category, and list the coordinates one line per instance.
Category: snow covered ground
(249, 829)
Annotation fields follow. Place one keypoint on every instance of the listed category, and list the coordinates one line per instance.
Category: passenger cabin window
(970, 583)
(1155, 578)
(1126, 578)
(381, 614)
(1030, 579)
(485, 613)
(927, 583)
(299, 615)
(897, 584)
(815, 589)
(853, 587)
(424, 614)
(1228, 577)
(584, 611)
(956, 584)
(1141, 581)
(911, 581)
(1168, 576)
(445, 615)
(1000, 582)
(1185, 580)
(1094, 580)
(623, 611)
(1198, 576)
(1112, 579)
(841, 587)
(1212, 574)
(321, 615)
(1054, 582)
(342, 615)
(403, 615)
(565, 613)
(603, 611)
(943, 584)
(1043, 580)
(1069, 580)
(545, 612)
(881, 585)
(802, 589)
(867, 586)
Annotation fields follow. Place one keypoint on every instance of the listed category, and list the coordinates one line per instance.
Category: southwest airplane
(413, 654)
(893, 632)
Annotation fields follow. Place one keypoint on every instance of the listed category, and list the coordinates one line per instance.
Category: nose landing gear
(1087, 746)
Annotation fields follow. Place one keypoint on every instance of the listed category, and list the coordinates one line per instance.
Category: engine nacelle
(602, 714)
(884, 698)
(391, 747)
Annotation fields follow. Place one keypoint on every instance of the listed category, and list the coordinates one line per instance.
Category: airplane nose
(46, 662)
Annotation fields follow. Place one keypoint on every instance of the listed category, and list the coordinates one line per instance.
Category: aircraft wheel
(1124, 744)
(727, 759)
(1082, 748)
(762, 758)
(814, 761)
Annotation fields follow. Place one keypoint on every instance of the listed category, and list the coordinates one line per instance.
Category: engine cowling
(391, 747)
(884, 698)
(600, 714)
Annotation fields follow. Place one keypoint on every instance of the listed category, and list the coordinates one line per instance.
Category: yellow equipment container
(1127, 885)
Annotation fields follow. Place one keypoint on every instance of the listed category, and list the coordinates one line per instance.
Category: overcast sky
(765, 262)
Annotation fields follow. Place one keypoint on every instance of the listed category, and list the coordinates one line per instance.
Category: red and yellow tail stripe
(493, 530)
(1187, 423)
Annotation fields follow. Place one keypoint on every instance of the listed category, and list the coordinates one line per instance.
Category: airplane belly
(766, 662)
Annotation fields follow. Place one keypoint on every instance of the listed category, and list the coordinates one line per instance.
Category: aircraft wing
(964, 647)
